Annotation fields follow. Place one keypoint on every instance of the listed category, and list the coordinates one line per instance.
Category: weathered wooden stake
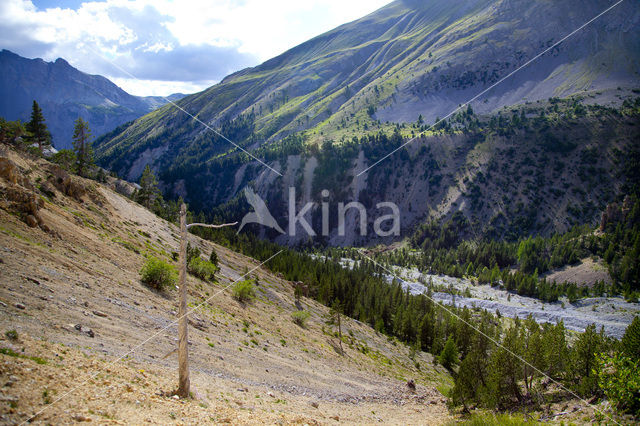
(183, 321)
(183, 340)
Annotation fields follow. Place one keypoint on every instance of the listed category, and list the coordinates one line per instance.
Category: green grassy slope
(408, 59)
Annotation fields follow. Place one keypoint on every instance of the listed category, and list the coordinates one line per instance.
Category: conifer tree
(82, 147)
(334, 318)
(425, 331)
(38, 128)
(149, 191)
(631, 340)
(505, 370)
(583, 359)
(213, 258)
(449, 355)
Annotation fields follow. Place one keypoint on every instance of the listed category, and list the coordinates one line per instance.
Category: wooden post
(183, 340)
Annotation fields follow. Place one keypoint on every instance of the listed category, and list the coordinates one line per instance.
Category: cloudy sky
(168, 46)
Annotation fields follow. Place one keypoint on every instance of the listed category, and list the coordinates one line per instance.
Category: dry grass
(87, 273)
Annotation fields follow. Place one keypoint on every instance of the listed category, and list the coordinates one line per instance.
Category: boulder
(8, 170)
(66, 184)
(32, 221)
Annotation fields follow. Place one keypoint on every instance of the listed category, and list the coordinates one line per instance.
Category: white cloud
(261, 28)
(189, 43)
(160, 87)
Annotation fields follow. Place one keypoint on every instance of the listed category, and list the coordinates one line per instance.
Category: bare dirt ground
(587, 273)
(74, 297)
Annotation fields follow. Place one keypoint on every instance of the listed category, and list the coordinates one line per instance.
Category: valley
(431, 215)
(614, 314)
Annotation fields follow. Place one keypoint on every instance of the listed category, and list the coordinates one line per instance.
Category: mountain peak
(64, 94)
(62, 62)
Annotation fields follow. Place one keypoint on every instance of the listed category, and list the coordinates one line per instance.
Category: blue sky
(168, 46)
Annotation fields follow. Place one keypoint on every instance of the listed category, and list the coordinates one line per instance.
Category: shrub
(619, 379)
(214, 257)
(66, 158)
(300, 317)
(158, 274)
(202, 269)
(11, 334)
(243, 291)
(192, 252)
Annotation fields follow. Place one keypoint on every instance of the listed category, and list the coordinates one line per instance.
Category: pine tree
(464, 332)
(425, 331)
(505, 370)
(532, 351)
(38, 128)
(631, 340)
(149, 191)
(556, 352)
(82, 146)
(334, 318)
(449, 355)
(583, 360)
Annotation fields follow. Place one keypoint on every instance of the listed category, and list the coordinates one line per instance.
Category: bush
(192, 252)
(66, 159)
(243, 291)
(493, 419)
(202, 269)
(214, 257)
(158, 274)
(300, 317)
(619, 379)
(11, 335)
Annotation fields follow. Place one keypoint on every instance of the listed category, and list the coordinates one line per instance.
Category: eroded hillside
(71, 290)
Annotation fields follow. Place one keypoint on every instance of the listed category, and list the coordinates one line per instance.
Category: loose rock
(81, 418)
(32, 221)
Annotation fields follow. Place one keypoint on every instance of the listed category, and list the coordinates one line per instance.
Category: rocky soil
(612, 313)
(92, 343)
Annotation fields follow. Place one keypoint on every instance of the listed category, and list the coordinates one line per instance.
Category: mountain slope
(250, 363)
(322, 109)
(408, 59)
(65, 93)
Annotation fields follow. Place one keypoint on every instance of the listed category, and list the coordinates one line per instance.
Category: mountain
(64, 94)
(394, 72)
